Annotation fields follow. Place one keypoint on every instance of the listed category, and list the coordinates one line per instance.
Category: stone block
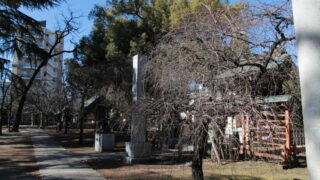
(137, 152)
(104, 142)
(129, 160)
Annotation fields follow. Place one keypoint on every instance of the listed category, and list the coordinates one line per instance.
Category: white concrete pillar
(307, 26)
(138, 150)
(138, 124)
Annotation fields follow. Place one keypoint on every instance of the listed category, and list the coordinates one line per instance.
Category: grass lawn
(244, 170)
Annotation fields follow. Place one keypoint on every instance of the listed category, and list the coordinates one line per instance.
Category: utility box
(104, 142)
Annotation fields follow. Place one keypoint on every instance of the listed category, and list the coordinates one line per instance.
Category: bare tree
(4, 92)
(9, 81)
(47, 102)
(217, 64)
(44, 55)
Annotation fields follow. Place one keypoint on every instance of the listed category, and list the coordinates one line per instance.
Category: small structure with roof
(104, 140)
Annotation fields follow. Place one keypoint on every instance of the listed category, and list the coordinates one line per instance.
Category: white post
(138, 150)
(32, 120)
(138, 124)
(307, 26)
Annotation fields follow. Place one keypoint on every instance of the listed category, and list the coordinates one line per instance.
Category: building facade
(51, 74)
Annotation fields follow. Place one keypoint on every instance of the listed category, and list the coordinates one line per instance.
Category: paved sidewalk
(56, 163)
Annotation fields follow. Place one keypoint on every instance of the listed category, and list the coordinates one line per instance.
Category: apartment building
(50, 75)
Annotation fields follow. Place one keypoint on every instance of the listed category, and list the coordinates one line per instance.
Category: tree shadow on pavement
(17, 157)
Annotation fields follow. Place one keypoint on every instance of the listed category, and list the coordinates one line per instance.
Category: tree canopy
(226, 49)
(122, 29)
(15, 23)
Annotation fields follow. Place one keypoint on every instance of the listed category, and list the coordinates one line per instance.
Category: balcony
(27, 65)
(51, 40)
(51, 82)
(28, 75)
(52, 63)
(51, 73)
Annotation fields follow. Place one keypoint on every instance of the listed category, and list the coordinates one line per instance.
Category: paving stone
(56, 163)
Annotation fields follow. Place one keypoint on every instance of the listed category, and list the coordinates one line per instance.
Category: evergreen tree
(15, 23)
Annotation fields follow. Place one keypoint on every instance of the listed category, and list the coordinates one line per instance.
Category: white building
(51, 74)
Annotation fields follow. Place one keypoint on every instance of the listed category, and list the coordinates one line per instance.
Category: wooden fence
(270, 136)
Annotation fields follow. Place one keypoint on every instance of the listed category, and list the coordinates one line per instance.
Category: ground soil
(246, 170)
(164, 169)
(17, 159)
(70, 141)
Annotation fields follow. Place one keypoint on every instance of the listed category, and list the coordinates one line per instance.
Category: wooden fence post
(243, 135)
(288, 139)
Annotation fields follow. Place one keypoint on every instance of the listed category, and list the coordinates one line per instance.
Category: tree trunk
(2, 112)
(81, 130)
(64, 116)
(197, 172)
(4, 91)
(9, 115)
(59, 123)
(9, 120)
(200, 142)
(82, 115)
(1, 123)
(212, 133)
(46, 121)
(17, 121)
(41, 121)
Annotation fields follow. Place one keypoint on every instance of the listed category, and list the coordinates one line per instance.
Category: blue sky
(53, 16)
(82, 8)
